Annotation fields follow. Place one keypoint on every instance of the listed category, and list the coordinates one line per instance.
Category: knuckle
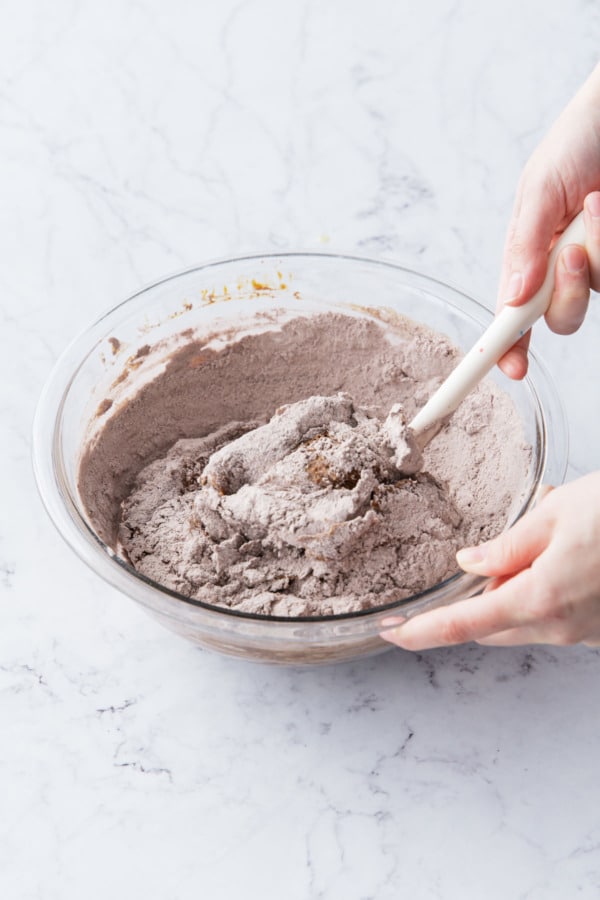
(545, 603)
(547, 181)
(454, 631)
(540, 178)
(507, 548)
(517, 245)
(557, 614)
(565, 610)
(504, 552)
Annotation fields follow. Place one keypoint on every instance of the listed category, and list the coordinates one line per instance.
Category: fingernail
(391, 627)
(593, 205)
(392, 621)
(573, 258)
(471, 557)
(514, 287)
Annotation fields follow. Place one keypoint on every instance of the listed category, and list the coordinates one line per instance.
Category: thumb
(538, 214)
(513, 550)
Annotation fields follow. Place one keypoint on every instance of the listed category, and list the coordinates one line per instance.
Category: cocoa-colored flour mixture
(271, 475)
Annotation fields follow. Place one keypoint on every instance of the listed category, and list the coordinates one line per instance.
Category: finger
(468, 620)
(525, 259)
(571, 293)
(515, 361)
(512, 550)
(591, 218)
(538, 213)
(567, 309)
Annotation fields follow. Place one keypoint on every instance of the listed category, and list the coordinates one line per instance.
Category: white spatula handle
(504, 331)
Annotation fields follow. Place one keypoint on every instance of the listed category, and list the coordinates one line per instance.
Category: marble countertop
(139, 138)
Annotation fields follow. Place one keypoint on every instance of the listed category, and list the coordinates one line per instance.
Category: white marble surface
(137, 138)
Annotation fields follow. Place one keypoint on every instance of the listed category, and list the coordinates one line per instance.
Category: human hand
(561, 177)
(545, 586)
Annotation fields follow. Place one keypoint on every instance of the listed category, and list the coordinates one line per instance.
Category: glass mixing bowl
(108, 362)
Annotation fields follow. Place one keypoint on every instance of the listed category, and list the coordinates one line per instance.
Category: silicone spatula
(504, 331)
